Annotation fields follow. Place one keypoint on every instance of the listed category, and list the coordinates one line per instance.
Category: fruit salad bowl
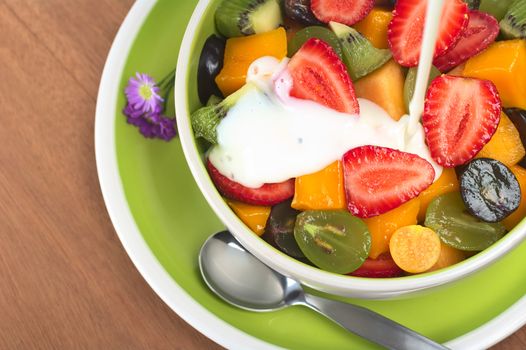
(200, 27)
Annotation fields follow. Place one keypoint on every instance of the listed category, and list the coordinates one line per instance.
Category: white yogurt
(427, 50)
(269, 136)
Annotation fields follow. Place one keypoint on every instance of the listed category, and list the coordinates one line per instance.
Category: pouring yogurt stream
(269, 136)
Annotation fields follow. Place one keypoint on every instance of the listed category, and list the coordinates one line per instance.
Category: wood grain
(66, 281)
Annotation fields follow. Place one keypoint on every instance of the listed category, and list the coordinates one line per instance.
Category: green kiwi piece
(213, 100)
(246, 17)
(496, 8)
(206, 119)
(410, 82)
(322, 33)
(359, 55)
(513, 25)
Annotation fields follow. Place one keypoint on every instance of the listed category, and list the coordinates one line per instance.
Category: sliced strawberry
(407, 28)
(319, 75)
(460, 116)
(342, 11)
(268, 194)
(481, 31)
(381, 267)
(378, 179)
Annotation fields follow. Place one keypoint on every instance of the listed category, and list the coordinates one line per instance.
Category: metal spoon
(242, 280)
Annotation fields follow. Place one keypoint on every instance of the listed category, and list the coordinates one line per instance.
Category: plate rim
(138, 250)
(120, 214)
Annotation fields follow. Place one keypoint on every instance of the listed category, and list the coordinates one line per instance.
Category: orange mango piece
(415, 248)
(374, 27)
(385, 87)
(504, 63)
(321, 190)
(447, 182)
(242, 51)
(505, 145)
(519, 214)
(255, 217)
(383, 226)
(448, 256)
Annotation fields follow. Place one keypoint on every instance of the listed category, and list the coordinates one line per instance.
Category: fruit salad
(307, 120)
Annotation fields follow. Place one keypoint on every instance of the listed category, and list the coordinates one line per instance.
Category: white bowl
(356, 287)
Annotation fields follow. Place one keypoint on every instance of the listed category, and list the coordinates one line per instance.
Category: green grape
(410, 81)
(450, 219)
(334, 241)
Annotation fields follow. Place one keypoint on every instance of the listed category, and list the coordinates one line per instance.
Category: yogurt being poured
(269, 136)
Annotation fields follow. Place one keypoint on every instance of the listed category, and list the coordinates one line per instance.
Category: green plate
(162, 220)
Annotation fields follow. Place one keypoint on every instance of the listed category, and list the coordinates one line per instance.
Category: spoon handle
(370, 325)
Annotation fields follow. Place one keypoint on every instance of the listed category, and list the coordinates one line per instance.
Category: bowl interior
(316, 278)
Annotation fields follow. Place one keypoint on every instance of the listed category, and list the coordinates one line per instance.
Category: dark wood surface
(66, 281)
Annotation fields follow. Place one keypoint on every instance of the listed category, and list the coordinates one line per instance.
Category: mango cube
(241, 52)
(255, 217)
(505, 145)
(385, 87)
(374, 27)
(383, 226)
(503, 63)
(321, 190)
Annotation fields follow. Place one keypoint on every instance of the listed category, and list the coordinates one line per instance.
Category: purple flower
(145, 107)
(143, 94)
(151, 125)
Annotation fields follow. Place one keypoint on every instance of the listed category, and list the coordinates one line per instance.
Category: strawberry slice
(406, 29)
(481, 31)
(268, 194)
(460, 116)
(342, 11)
(378, 179)
(319, 75)
(381, 267)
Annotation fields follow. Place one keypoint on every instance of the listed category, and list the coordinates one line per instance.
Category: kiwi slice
(213, 100)
(359, 55)
(496, 8)
(322, 33)
(513, 25)
(246, 17)
(206, 119)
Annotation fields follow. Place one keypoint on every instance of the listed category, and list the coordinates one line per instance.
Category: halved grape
(334, 241)
(279, 231)
(489, 189)
(322, 33)
(450, 219)
(210, 64)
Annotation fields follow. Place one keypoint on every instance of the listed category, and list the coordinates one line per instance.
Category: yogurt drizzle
(269, 136)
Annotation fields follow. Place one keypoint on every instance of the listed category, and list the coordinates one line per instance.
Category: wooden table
(66, 280)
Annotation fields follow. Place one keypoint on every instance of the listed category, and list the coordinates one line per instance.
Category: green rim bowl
(201, 26)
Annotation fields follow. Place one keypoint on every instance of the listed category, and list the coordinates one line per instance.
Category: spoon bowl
(251, 285)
